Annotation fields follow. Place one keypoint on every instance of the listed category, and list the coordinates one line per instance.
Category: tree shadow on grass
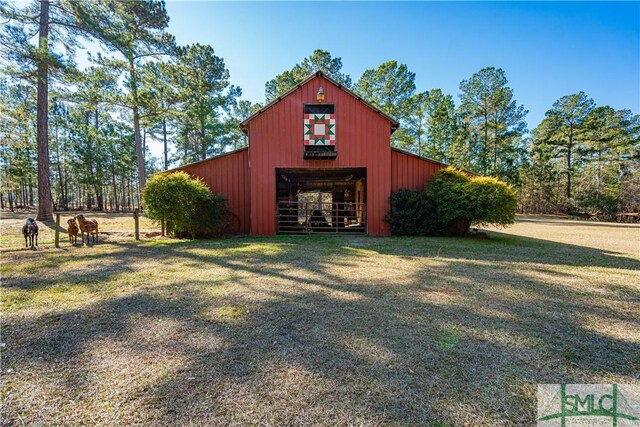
(283, 335)
(502, 247)
(510, 248)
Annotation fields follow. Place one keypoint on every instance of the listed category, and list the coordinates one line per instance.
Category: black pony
(30, 231)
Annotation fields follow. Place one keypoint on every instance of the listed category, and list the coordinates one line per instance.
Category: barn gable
(277, 143)
(245, 123)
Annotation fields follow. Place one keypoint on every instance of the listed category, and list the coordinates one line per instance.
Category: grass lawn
(315, 330)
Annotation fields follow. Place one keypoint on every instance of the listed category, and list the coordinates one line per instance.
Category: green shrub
(491, 201)
(412, 214)
(451, 203)
(448, 192)
(461, 200)
(185, 204)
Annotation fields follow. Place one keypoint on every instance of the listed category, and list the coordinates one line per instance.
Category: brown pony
(73, 231)
(89, 226)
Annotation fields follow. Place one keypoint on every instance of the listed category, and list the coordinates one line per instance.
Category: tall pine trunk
(45, 205)
(485, 144)
(115, 187)
(203, 153)
(569, 153)
(66, 188)
(63, 197)
(98, 185)
(495, 146)
(136, 125)
(164, 137)
(139, 154)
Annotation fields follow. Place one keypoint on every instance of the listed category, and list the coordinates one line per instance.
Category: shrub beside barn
(450, 204)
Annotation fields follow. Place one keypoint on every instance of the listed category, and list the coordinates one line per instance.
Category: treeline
(78, 138)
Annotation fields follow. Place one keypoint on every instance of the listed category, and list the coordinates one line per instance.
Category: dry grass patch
(317, 330)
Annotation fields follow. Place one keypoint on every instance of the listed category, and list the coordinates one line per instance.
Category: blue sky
(547, 49)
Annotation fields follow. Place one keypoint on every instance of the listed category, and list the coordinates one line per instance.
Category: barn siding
(410, 171)
(228, 175)
(276, 141)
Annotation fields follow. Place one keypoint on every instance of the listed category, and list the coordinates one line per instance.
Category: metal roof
(394, 123)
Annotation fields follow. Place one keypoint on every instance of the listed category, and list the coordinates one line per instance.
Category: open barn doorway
(321, 201)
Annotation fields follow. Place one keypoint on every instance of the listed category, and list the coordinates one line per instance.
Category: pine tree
(204, 91)
(390, 87)
(563, 129)
(488, 106)
(320, 60)
(56, 28)
(135, 29)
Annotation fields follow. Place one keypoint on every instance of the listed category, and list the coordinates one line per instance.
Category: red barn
(319, 160)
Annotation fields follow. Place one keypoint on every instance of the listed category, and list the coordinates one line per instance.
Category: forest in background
(76, 138)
